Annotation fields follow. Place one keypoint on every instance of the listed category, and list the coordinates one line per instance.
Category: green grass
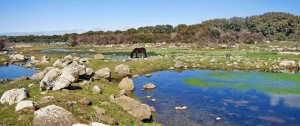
(222, 79)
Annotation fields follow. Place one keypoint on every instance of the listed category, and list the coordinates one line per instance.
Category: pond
(222, 97)
(14, 71)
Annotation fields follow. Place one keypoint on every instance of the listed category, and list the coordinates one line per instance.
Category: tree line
(272, 26)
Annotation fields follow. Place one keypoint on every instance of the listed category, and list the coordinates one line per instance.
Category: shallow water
(239, 98)
(14, 71)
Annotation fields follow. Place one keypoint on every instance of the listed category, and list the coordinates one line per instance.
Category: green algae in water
(274, 83)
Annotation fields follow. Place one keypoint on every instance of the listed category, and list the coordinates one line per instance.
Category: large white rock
(149, 86)
(17, 57)
(99, 57)
(178, 64)
(89, 71)
(98, 124)
(41, 75)
(96, 89)
(102, 73)
(133, 107)
(287, 63)
(48, 81)
(53, 115)
(122, 70)
(26, 105)
(14, 96)
(60, 83)
(126, 84)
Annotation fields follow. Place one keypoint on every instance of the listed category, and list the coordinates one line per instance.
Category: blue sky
(56, 15)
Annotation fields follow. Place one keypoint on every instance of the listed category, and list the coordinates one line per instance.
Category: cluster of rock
(236, 62)
(64, 72)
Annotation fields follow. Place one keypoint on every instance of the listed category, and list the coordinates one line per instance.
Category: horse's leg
(136, 55)
(145, 53)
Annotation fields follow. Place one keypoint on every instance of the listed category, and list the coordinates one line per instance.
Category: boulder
(85, 101)
(126, 84)
(96, 89)
(58, 63)
(79, 124)
(17, 57)
(149, 86)
(60, 83)
(48, 81)
(27, 106)
(14, 96)
(53, 115)
(41, 75)
(98, 124)
(45, 58)
(133, 107)
(89, 71)
(102, 73)
(288, 63)
(179, 64)
(32, 58)
(122, 70)
(99, 57)
(47, 99)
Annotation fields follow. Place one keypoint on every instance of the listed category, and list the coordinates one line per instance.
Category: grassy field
(193, 58)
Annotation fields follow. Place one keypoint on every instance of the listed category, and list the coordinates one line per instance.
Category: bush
(2, 44)
(280, 37)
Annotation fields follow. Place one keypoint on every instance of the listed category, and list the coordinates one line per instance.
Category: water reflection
(235, 106)
(15, 71)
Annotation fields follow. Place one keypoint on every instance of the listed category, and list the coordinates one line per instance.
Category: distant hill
(272, 26)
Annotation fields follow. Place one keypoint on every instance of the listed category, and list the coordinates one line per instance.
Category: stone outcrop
(53, 115)
(126, 84)
(14, 96)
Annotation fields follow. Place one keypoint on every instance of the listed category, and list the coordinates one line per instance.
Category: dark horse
(138, 50)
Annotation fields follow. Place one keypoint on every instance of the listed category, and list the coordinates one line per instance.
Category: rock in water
(99, 57)
(133, 107)
(27, 106)
(126, 84)
(53, 115)
(149, 86)
(102, 73)
(122, 70)
(14, 96)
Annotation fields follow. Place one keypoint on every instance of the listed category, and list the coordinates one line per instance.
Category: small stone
(96, 89)
(98, 124)
(135, 76)
(71, 103)
(30, 85)
(148, 97)
(149, 86)
(43, 92)
(181, 107)
(218, 118)
(85, 101)
(148, 75)
(47, 99)
(154, 100)
(26, 106)
(99, 110)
